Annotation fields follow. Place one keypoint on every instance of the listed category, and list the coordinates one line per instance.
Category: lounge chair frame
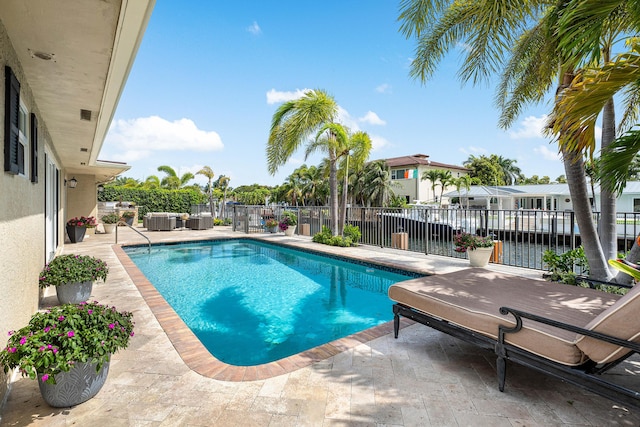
(586, 376)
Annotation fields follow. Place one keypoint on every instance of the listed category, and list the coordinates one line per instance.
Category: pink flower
(90, 311)
(70, 334)
(23, 340)
(131, 334)
(111, 326)
(55, 350)
(45, 377)
(12, 350)
(61, 318)
(47, 329)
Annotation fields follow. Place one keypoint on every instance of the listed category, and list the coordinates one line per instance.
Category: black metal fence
(521, 236)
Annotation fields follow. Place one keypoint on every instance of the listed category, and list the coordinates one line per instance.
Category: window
(23, 139)
(404, 174)
(13, 157)
(397, 174)
(636, 205)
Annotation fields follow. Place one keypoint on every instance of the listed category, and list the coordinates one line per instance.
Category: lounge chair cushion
(472, 298)
(621, 321)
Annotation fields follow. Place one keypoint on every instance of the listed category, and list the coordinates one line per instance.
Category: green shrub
(352, 232)
(562, 267)
(326, 238)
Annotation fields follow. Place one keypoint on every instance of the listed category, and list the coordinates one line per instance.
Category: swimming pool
(251, 302)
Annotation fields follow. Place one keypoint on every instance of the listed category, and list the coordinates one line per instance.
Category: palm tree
(445, 178)
(208, 172)
(223, 184)
(292, 125)
(358, 146)
(461, 182)
(172, 181)
(433, 175)
(151, 182)
(510, 171)
(525, 45)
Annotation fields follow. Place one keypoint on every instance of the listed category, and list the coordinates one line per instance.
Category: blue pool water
(251, 302)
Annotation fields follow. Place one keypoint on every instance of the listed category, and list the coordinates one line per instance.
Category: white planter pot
(479, 257)
(290, 231)
(109, 228)
(74, 293)
(78, 385)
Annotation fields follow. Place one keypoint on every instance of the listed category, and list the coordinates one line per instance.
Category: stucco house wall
(21, 218)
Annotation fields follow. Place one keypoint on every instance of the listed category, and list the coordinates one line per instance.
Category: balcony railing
(522, 235)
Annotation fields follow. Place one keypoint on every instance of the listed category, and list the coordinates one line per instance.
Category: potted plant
(127, 216)
(77, 227)
(68, 349)
(288, 222)
(73, 276)
(478, 248)
(109, 222)
(271, 225)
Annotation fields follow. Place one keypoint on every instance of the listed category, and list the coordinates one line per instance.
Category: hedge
(156, 200)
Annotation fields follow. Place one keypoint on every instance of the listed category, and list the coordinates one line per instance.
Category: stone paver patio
(424, 378)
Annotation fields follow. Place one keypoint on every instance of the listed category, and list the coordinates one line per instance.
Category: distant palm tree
(172, 181)
(445, 180)
(292, 125)
(462, 182)
(208, 172)
(223, 184)
(151, 182)
(510, 171)
(357, 147)
(433, 175)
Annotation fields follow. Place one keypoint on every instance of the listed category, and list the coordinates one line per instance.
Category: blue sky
(210, 74)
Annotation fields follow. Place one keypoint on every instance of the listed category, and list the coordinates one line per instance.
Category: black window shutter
(34, 148)
(12, 146)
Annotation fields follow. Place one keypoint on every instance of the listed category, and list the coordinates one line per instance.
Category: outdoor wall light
(72, 183)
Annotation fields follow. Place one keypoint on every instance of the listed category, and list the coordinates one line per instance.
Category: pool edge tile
(200, 360)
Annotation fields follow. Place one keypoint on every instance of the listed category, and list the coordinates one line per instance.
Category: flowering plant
(56, 339)
(288, 218)
(73, 269)
(128, 214)
(110, 218)
(467, 241)
(284, 223)
(271, 222)
(83, 221)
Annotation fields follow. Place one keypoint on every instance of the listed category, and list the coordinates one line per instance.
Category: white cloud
(138, 138)
(546, 153)
(254, 29)
(530, 127)
(383, 88)
(372, 118)
(275, 96)
(378, 142)
(472, 150)
(345, 119)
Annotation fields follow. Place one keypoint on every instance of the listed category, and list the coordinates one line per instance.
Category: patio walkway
(424, 378)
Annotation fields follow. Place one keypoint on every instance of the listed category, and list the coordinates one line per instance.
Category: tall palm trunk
(608, 235)
(343, 207)
(574, 170)
(577, 181)
(333, 190)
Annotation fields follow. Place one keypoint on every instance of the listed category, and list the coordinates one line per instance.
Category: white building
(542, 196)
(406, 173)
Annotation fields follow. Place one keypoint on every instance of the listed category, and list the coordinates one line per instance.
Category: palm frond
(617, 158)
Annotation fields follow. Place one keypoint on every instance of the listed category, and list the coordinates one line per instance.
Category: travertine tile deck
(424, 378)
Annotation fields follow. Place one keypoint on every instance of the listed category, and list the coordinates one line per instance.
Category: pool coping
(199, 359)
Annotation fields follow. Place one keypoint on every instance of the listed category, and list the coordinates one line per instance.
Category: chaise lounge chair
(569, 332)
